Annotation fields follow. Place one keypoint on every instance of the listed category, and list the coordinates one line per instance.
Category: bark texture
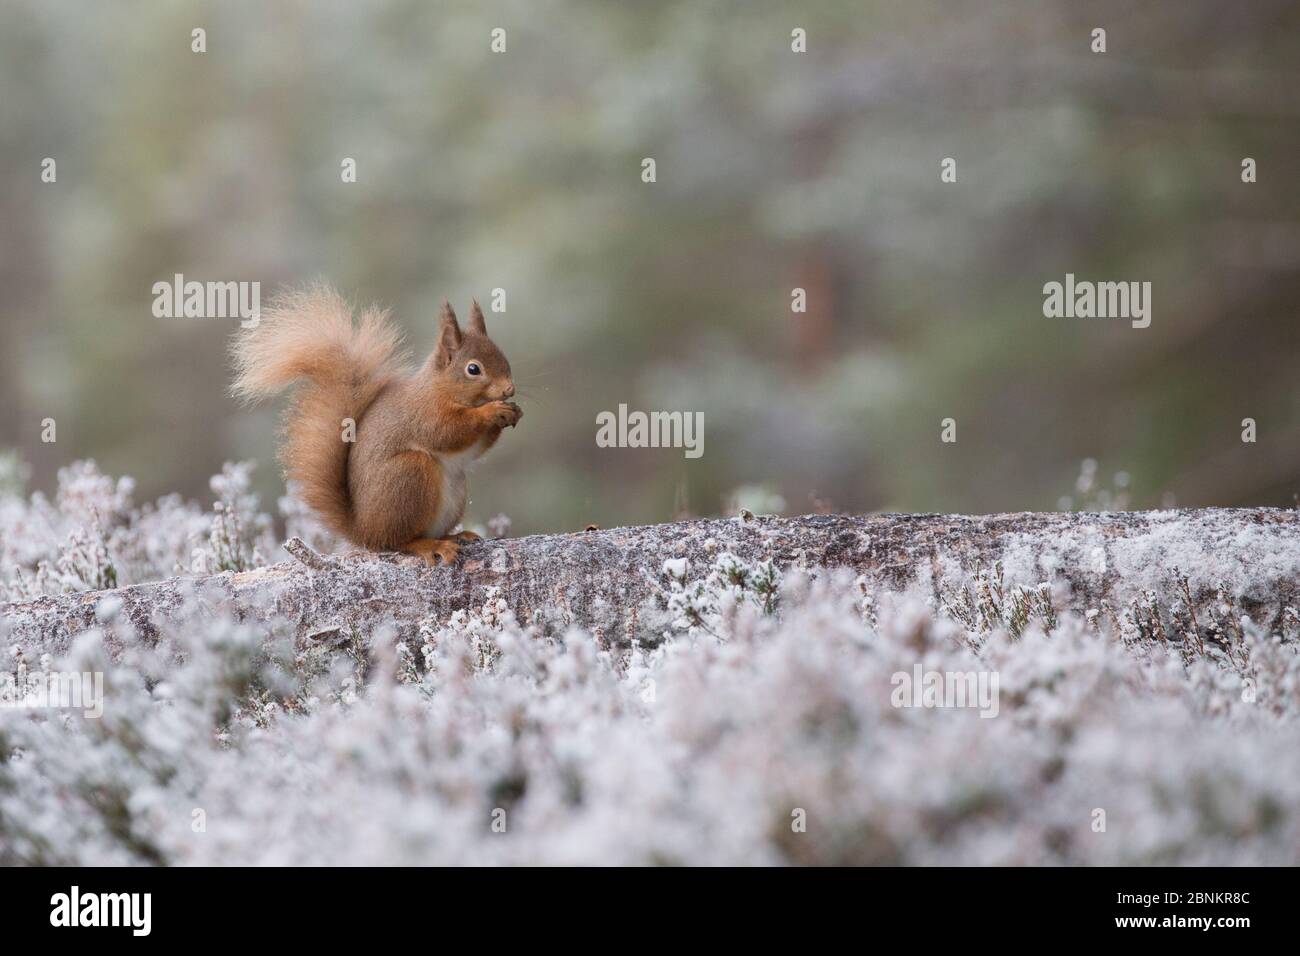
(600, 579)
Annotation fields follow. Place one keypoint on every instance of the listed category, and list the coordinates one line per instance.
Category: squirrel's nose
(509, 391)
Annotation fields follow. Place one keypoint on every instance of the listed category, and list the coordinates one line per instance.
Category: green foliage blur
(775, 170)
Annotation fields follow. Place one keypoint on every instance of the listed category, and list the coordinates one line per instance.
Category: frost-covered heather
(94, 536)
(767, 702)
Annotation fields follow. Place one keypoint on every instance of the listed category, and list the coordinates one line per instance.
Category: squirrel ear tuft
(447, 314)
(449, 337)
(476, 322)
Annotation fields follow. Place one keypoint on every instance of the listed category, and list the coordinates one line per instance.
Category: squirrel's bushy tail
(310, 337)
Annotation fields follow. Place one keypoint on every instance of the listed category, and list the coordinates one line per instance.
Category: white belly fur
(454, 491)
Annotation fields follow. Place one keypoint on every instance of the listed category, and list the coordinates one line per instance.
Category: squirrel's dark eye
(473, 369)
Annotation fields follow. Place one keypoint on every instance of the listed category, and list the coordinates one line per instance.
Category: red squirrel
(400, 485)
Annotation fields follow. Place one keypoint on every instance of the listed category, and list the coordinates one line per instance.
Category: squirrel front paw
(504, 414)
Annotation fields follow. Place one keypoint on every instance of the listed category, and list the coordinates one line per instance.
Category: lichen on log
(599, 580)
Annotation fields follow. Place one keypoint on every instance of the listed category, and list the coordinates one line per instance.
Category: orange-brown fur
(400, 485)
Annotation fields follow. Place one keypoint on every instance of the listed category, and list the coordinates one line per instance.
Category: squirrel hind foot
(433, 551)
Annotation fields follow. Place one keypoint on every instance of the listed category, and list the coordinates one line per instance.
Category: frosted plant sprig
(85, 563)
(984, 603)
(94, 536)
(700, 605)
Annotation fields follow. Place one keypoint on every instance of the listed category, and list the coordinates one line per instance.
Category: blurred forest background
(775, 170)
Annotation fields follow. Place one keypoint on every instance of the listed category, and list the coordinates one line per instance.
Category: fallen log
(600, 579)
